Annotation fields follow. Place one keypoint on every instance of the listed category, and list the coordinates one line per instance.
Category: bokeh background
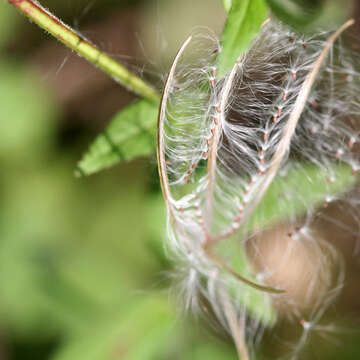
(83, 274)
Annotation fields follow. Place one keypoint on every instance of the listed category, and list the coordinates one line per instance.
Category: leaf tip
(79, 172)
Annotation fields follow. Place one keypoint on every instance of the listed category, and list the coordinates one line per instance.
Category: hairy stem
(211, 167)
(294, 117)
(164, 180)
(83, 47)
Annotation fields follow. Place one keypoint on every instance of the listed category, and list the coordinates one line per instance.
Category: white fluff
(218, 138)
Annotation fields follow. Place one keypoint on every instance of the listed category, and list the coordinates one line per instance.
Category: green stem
(83, 47)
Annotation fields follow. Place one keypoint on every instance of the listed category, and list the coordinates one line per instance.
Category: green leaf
(227, 4)
(303, 187)
(155, 225)
(130, 134)
(257, 303)
(297, 13)
(242, 25)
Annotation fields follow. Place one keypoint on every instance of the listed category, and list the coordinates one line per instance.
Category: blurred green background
(83, 274)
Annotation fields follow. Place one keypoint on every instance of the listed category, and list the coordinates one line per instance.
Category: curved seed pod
(241, 152)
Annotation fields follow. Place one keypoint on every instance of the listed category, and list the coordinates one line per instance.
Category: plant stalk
(237, 327)
(83, 47)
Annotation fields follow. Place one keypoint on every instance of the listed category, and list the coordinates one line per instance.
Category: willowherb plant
(248, 161)
(272, 139)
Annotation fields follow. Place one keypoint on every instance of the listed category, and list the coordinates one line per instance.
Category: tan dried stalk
(160, 150)
(211, 168)
(237, 327)
(294, 117)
